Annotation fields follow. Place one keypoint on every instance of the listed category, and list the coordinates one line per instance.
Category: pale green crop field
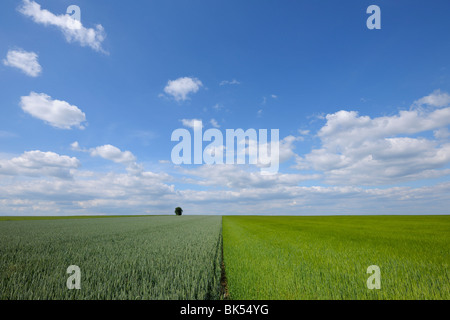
(328, 257)
(119, 258)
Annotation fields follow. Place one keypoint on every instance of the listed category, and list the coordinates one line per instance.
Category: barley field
(120, 258)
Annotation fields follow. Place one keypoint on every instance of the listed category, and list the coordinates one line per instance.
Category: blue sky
(88, 112)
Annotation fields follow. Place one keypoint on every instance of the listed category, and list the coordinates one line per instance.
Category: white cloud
(355, 150)
(348, 125)
(224, 189)
(303, 132)
(23, 60)
(239, 177)
(274, 96)
(85, 194)
(442, 133)
(57, 113)
(435, 99)
(180, 88)
(73, 30)
(66, 190)
(113, 153)
(111, 193)
(227, 82)
(192, 123)
(371, 151)
(214, 123)
(285, 149)
(38, 163)
(75, 146)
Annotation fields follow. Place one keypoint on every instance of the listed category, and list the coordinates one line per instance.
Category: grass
(120, 258)
(327, 257)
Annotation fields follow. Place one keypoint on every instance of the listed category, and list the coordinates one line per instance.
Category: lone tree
(178, 211)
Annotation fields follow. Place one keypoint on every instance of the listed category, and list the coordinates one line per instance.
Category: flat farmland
(178, 258)
(328, 257)
(120, 258)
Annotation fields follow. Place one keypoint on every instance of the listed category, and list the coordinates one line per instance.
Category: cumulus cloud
(25, 61)
(57, 113)
(286, 147)
(73, 30)
(95, 193)
(354, 151)
(180, 88)
(192, 123)
(113, 153)
(237, 177)
(75, 146)
(64, 189)
(38, 163)
(363, 150)
(442, 133)
(111, 193)
(303, 132)
(317, 200)
(435, 99)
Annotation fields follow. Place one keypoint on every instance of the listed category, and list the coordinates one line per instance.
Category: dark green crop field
(328, 257)
(169, 257)
(20, 218)
(119, 258)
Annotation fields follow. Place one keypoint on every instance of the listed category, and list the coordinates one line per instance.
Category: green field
(21, 218)
(327, 257)
(120, 258)
(169, 257)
